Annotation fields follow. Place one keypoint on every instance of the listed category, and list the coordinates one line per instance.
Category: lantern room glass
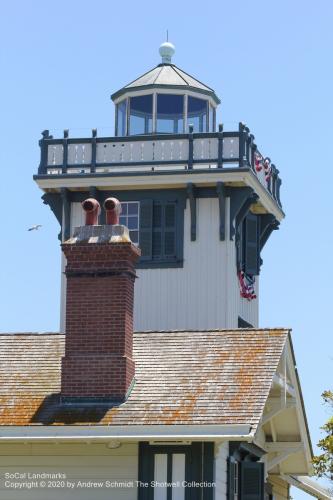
(170, 114)
(211, 119)
(197, 114)
(121, 118)
(141, 115)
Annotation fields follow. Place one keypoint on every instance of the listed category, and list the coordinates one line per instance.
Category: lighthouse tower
(200, 201)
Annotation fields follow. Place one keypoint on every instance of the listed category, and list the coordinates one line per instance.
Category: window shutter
(252, 480)
(170, 229)
(231, 478)
(252, 245)
(146, 222)
(240, 247)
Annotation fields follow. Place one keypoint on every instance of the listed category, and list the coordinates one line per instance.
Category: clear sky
(271, 64)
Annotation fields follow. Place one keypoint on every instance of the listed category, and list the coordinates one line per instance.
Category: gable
(283, 431)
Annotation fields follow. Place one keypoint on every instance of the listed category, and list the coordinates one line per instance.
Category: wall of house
(94, 462)
(280, 487)
(204, 293)
(221, 454)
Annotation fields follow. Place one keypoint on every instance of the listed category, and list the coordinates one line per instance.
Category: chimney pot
(113, 210)
(92, 210)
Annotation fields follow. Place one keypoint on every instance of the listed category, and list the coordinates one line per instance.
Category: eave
(166, 179)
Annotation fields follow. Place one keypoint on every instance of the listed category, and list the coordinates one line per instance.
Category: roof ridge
(157, 74)
(175, 69)
(199, 81)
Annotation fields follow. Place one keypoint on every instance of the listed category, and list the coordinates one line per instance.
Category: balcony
(100, 156)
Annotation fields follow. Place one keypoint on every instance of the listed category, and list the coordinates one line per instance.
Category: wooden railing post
(251, 144)
(220, 147)
(241, 128)
(93, 150)
(190, 147)
(65, 151)
(42, 169)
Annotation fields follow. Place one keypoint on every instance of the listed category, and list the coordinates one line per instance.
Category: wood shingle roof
(182, 377)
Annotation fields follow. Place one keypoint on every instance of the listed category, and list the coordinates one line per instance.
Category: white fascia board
(129, 432)
(179, 180)
(301, 417)
(131, 92)
(264, 195)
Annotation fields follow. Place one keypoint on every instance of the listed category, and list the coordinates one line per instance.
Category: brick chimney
(100, 275)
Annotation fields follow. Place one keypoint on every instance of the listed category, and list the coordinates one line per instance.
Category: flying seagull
(35, 227)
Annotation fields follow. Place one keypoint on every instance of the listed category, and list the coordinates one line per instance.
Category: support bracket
(66, 226)
(221, 196)
(240, 201)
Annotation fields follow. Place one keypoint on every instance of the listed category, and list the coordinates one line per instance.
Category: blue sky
(271, 64)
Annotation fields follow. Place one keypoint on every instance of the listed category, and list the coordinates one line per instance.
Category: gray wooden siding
(95, 462)
(204, 293)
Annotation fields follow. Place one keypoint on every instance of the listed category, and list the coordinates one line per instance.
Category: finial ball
(167, 50)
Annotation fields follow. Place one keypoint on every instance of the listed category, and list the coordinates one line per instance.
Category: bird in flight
(35, 227)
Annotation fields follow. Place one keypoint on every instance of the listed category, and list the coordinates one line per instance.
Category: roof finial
(167, 50)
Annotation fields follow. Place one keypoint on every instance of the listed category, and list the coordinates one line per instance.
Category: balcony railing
(100, 155)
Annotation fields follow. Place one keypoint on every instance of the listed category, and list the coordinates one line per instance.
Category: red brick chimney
(100, 275)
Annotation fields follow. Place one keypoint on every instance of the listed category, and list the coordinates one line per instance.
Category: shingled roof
(182, 377)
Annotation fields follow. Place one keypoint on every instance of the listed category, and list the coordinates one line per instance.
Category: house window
(168, 472)
(169, 467)
(161, 232)
(236, 481)
(245, 479)
(130, 217)
(155, 219)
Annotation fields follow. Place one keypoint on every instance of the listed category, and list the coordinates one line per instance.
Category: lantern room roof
(168, 75)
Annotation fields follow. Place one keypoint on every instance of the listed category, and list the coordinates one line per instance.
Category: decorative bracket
(240, 201)
(66, 226)
(53, 200)
(193, 208)
(221, 196)
(268, 224)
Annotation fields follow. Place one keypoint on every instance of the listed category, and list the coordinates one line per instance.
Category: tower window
(158, 230)
(141, 115)
(197, 114)
(170, 113)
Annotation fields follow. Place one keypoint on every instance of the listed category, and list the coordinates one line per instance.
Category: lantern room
(165, 100)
